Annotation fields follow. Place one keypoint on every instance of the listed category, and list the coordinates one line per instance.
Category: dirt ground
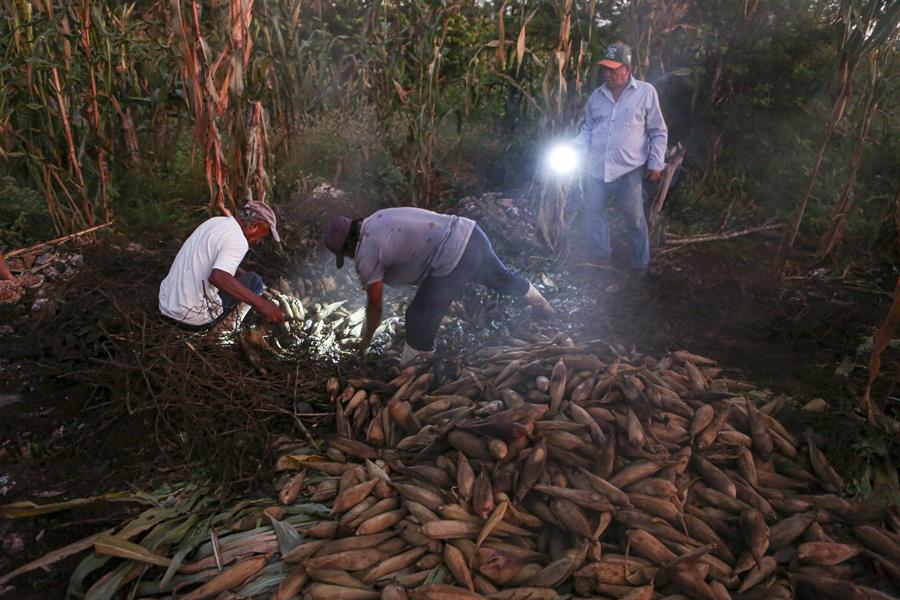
(798, 336)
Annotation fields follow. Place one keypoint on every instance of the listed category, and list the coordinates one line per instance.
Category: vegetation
(780, 105)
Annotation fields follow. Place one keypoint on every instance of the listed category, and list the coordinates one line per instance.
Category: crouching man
(206, 285)
(439, 254)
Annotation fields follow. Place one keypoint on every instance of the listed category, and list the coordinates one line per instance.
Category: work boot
(535, 299)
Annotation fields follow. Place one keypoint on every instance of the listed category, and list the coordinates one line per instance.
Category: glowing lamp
(562, 159)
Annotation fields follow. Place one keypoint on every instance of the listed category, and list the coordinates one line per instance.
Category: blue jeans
(628, 192)
(249, 279)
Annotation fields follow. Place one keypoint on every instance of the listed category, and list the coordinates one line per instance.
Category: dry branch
(673, 161)
(57, 241)
(727, 235)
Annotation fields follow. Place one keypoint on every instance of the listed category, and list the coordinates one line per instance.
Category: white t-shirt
(186, 294)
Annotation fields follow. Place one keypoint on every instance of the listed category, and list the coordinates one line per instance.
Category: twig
(727, 235)
(57, 241)
(297, 419)
(306, 432)
(217, 553)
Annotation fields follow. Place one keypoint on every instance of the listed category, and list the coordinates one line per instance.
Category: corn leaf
(267, 579)
(110, 545)
(52, 557)
(20, 510)
(87, 566)
(288, 537)
(107, 586)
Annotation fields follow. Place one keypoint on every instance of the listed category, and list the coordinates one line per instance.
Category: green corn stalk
(868, 26)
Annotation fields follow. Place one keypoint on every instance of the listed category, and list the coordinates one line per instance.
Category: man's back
(186, 294)
(402, 246)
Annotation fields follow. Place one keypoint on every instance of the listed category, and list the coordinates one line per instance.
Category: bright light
(562, 159)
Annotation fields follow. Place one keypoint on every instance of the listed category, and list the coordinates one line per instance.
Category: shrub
(23, 215)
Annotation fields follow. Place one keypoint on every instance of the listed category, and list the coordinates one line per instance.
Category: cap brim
(610, 64)
(339, 260)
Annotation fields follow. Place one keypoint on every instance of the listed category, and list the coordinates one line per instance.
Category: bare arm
(374, 293)
(227, 283)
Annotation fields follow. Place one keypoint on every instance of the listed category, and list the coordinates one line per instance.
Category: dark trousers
(249, 279)
(478, 264)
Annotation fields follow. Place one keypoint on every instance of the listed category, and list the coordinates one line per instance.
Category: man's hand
(653, 175)
(270, 311)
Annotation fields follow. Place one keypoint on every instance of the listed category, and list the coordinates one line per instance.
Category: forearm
(656, 161)
(583, 138)
(658, 138)
(227, 283)
(373, 320)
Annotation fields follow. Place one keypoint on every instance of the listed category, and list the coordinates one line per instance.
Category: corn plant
(67, 67)
(873, 95)
(869, 26)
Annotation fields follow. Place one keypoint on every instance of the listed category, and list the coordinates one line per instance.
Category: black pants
(478, 264)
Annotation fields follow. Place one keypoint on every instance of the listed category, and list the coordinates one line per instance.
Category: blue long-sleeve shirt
(620, 136)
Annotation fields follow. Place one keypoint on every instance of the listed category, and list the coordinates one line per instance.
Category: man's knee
(252, 281)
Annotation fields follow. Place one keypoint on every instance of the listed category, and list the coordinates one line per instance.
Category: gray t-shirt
(403, 246)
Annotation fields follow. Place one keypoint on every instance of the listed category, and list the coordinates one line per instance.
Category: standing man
(440, 254)
(206, 284)
(623, 131)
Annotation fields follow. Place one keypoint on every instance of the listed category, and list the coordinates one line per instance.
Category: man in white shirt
(623, 131)
(206, 283)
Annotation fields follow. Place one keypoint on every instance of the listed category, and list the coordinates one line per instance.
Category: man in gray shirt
(439, 254)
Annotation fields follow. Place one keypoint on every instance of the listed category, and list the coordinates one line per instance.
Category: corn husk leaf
(288, 537)
(110, 545)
